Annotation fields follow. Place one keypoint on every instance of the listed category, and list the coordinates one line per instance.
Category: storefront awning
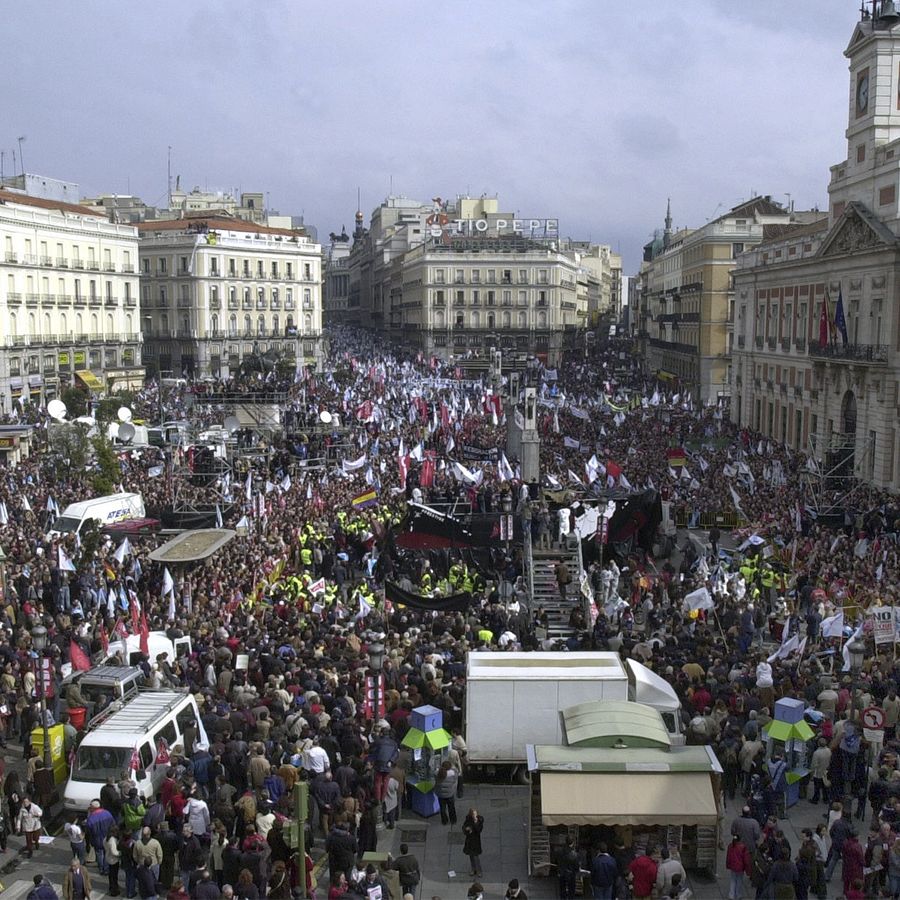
(641, 798)
(663, 375)
(90, 380)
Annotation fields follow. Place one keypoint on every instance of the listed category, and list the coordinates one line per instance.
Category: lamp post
(376, 662)
(857, 652)
(3, 575)
(39, 642)
(506, 505)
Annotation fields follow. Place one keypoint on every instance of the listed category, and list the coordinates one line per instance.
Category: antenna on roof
(21, 140)
(169, 176)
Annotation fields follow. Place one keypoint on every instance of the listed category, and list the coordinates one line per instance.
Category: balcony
(128, 268)
(233, 304)
(32, 299)
(109, 267)
(800, 344)
(64, 299)
(786, 344)
(814, 394)
(771, 343)
(247, 304)
(131, 302)
(48, 299)
(111, 301)
(13, 299)
(215, 303)
(865, 354)
(94, 300)
(77, 263)
(184, 302)
(261, 304)
(741, 341)
(30, 259)
(759, 342)
(12, 258)
(798, 392)
(288, 305)
(275, 304)
(94, 266)
(62, 262)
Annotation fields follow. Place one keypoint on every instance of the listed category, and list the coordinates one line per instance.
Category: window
(163, 265)
(307, 271)
(475, 298)
(507, 276)
(213, 266)
(491, 275)
(259, 268)
(231, 266)
(523, 276)
(289, 270)
(542, 276)
(476, 276)
(109, 292)
(736, 250)
(185, 718)
(145, 266)
(459, 278)
(166, 734)
(184, 265)
(77, 288)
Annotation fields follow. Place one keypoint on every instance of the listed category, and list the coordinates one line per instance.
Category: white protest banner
(883, 624)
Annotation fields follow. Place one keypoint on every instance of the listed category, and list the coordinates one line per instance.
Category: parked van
(129, 649)
(103, 510)
(110, 683)
(143, 731)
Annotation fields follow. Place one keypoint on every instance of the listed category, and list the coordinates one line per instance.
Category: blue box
(426, 718)
(425, 805)
(789, 710)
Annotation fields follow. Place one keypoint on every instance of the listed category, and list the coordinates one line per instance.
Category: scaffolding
(831, 477)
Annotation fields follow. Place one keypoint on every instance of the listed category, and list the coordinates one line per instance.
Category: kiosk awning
(90, 380)
(644, 798)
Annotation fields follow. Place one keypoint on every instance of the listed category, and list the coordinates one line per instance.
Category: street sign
(873, 718)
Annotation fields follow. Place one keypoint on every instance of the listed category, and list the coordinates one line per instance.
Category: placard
(883, 624)
(242, 661)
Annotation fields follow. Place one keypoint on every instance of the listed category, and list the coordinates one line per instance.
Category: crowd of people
(282, 619)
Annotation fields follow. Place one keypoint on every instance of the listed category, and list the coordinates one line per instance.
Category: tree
(108, 472)
(70, 447)
(76, 400)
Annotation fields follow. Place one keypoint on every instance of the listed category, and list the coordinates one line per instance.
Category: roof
(763, 206)
(543, 666)
(621, 799)
(192, 546)
(137, 716)
(779, 231)
(551, 758)
(610, 723)
(199, 224)
(40, 202)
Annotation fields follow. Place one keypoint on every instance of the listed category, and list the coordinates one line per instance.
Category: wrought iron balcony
(871, 354)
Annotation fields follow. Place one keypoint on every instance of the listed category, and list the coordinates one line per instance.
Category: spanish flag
(365, 499)
(676, 457)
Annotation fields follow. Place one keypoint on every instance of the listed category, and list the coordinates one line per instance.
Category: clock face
(862, 93)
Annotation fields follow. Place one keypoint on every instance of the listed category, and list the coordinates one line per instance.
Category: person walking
(739, 864)
(76, 882)
(28, 822)
(445, 790)
(42, 890)
(472, 827)
(408, 869)
(113, 858)
(567, 870)
(604, 873)
(75, 833)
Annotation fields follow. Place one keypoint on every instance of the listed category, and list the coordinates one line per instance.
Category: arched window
(275, 324)
(439, 319)
(110, 327)
(542, 319)
(128, 323)
(63, 324)
(307, 324)
(260, 325)
(476, 319)
(248, 327)
(232, 325)
(12, 325)
(214, 323)
(95, 324)
(79, 324)
(491, 320)
(522, 320)
(48, 328)
(507, 320)
(185, 326)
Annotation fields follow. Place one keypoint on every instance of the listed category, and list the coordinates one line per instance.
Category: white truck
(129, 649)
(103, 510)
(514, 699)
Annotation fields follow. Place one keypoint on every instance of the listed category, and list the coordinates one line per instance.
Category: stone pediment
(857, 230)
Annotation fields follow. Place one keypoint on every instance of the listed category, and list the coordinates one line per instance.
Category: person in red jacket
(854, 859)
(739, 864)
(642, 874)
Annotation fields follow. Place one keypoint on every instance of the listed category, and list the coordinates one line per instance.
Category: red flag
(823, 323)
(613, 469)
(80, 660)
(120, 629)
(445, 416)
(426, 476)
(135, 762)
(162, 753)
(145, 635)
(104, 640)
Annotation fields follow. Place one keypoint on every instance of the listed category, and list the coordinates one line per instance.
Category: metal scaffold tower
(831, 475)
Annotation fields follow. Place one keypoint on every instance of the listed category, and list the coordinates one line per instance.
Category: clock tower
(873, 120)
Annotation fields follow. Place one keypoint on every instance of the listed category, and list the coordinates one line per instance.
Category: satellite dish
(325, 417)
(124, 414)
(56, 409)
(232, 424)
(125, 432)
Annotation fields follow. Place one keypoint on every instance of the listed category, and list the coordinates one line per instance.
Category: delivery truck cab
(135, 742)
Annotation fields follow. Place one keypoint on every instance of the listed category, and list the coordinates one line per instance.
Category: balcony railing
(875, 354)
(127, 268)
(111, 301)
(77, 263)
(62, 262)
(109, 267)
(800, 344)
(14, 299)
(12, 258)
(770, 343)
(32, 299)
(93, 265)
(131, 301)
(759, 342)
(741, 341)
(46, 260)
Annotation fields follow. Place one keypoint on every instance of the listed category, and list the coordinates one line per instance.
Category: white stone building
(215, 291)
(838, 398)
(68, 300)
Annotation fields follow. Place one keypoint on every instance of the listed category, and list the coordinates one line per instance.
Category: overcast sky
(590, 112)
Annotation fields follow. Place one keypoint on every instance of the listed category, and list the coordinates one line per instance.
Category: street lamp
(856, 649)
(39, 642)
(506, 505)
(376, 663)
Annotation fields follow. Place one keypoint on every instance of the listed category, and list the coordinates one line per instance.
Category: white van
(129, 649)
(103, 510)
(151, 723)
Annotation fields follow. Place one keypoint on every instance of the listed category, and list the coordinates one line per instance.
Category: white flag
(248, 486)
(65, 564)
(699, 599)
(218, 516)
(845, 651)
(286, 483)
(168, 585)
(624, 483)
(833, 626)
(25, 504)
(154, 471)
(504, 469)
(736, 499)
(122, 551)
(270, 486)
(364, 608)
(4, 514)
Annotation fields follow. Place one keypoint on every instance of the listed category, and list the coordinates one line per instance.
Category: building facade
(454, 279)
(336, 279)
(821, 381)
(688, 294)
(216, 292)
(69, 299)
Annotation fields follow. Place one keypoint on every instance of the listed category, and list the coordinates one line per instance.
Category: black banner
(470, 451)
(453, 603)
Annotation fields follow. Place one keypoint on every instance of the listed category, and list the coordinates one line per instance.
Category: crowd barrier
(724, 521)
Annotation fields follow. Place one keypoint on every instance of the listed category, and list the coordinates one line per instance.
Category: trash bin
(57, 750)
(78, 716)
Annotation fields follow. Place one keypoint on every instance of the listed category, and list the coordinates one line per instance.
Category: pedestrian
(853, 859)
(75, 833)
(563, 578)
(29, 824)
(739, 864)
(407, 866)
(567, 868)
(642, 875)
(76, 882)
(42, 890)
(475, 892)
(445, 790)
(604, 874)
(98, 823)
(148, 885)
(113, 858)
(472, 827)
(514, 892)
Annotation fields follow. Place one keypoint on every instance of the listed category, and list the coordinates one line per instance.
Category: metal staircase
(545, 591)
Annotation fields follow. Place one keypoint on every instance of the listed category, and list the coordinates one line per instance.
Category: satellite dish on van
(125, 432)
(325, 417)
(232, 424)
(124, 414)
(56, 409)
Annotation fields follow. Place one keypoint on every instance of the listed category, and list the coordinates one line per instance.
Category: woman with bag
(472, 827)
